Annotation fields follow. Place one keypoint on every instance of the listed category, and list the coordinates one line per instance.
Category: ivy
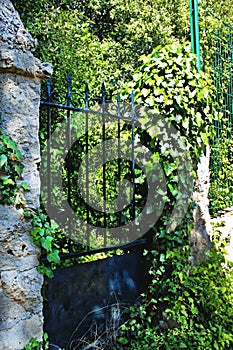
(189, 309)
(11, 169)
(181, 308)
(169, 84)
(44, 233)
(168, 81)
(34, 344)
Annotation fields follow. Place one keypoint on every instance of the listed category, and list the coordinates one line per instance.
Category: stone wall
(20, 284)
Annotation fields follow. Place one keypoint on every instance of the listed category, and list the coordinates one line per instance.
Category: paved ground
(223, 226)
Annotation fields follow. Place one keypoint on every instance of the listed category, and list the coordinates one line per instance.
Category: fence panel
(221, 185)
(215, 39)
(91, 184)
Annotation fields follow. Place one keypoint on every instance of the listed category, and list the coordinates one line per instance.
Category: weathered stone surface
(20, 297)
(17, 45)
(16, 252)
(20, 97)
(12, 31)
(21, 315)
(202, 231)
(21, 332)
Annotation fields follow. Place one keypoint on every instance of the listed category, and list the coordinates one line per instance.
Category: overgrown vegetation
(11, 168)
(216, 35)
(186, 307)
(179, 309)
(101, 41)
(221, 184)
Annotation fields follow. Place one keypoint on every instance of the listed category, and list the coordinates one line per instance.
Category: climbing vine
(11, 168)
(181, 309)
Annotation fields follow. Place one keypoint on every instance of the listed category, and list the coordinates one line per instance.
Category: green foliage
(221, 9)
(65, 40)
(54, 242)
(173, 309)
(10, 172)
(168, 81)
(37, 345)
(76, 165)
(221, 184)
(43, 234)
(102, 40)
(216, 46)
(190, 308)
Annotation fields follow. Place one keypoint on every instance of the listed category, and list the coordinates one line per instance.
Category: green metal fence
(221, 162)
(214, 44)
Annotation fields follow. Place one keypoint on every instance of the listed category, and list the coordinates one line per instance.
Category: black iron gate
(91, 184)
(93, 188)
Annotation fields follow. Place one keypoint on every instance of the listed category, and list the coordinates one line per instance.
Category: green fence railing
(214, 46)
(221, 162)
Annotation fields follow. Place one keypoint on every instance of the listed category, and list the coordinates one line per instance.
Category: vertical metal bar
(69, 82)
(230, 46)
(192, 31)
(103, 100)
(119, 151)
(133, 156)
(194, 28)
(231, 80)
(219, 70)
(49, 87)
(87, 161)
(197, 36)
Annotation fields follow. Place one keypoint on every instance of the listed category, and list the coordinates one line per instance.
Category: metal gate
(221, 186)
(218, 51)
(91, 185)
(94, 190)
(85, 304)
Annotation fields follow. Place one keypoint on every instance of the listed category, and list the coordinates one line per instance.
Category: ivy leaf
(3, 160)
(9, 143)
(19, 169)
(162, 257)
(54, 256)
(47, 271)
(173, 189)
(7, 181)
(47, 242)
(25, 186)
(204, 138)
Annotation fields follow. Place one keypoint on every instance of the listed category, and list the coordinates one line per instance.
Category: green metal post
(194, 28)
